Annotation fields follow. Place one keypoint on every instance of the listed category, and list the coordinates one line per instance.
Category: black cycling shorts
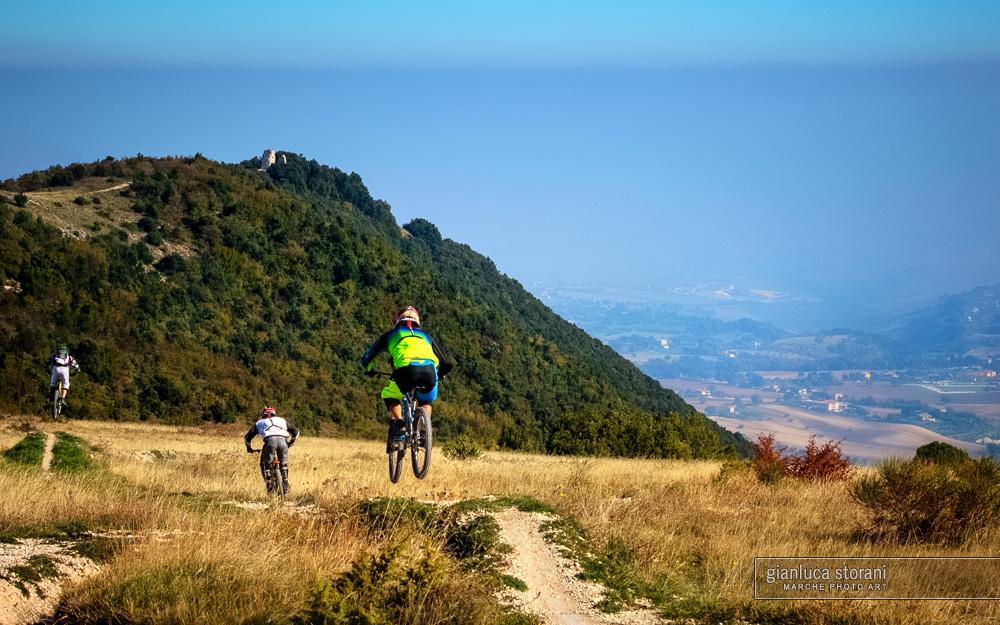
(423, 378)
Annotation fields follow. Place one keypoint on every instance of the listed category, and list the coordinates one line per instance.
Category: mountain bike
(272, 476)
(418, 438)
(58, 403)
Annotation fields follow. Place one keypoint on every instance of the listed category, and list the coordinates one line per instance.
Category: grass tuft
(513, 582)
(29, 451)
(69, 455)
(31, 573)
(386, 514)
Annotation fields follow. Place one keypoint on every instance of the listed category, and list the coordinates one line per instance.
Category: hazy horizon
(842, 151)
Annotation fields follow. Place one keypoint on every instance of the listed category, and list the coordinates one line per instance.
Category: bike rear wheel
(56, 402)
(396, 464)
(280, 487)
(423, 442)
(279, 483)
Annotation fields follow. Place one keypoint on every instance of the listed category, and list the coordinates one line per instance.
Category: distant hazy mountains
(669, 336)
(963, 323)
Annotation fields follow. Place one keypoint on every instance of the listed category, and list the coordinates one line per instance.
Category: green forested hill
(195, 291)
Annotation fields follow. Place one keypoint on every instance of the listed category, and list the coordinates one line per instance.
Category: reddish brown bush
(825, 463)
(817, 463)
(770, 462)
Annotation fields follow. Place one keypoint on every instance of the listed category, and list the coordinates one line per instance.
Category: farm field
(864, 442)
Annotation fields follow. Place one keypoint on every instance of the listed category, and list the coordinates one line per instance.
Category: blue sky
(519, 33)
(782, 145)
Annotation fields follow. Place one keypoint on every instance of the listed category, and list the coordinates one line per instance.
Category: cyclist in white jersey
(278, 435)
(61, 362)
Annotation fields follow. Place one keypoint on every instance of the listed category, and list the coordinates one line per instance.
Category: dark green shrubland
(274, 285)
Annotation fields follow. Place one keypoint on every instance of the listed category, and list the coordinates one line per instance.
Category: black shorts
(423, 378)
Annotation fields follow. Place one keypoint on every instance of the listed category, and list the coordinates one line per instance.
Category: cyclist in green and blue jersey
(417, 363)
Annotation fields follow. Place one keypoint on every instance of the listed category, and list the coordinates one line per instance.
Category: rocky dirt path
(554, 593)
(32, 573)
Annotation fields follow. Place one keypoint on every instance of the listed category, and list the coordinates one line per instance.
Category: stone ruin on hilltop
(270, 158)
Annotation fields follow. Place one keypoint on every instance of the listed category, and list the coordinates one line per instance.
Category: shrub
(462, 448)
(817, 463)
(381, 589)
(21, 200)
(154, 238)
(475, 539)
(141, 251)
(147, 224)
(80, 200)
(913, 500)
(731, 468)
(940, 452)
(770, 462)
(822, 463)
(171, 264)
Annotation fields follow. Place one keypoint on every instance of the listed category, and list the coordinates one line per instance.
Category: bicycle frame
(406, 406)
(272, 475)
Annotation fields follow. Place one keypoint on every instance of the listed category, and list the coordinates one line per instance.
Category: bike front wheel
(423, 442)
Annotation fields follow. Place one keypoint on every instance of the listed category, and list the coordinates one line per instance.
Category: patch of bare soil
(50, 441)
(554, 593)
(289, 507)
(32, 574)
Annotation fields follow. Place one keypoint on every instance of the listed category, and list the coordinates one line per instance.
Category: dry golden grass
(56, 206)
(679, 520)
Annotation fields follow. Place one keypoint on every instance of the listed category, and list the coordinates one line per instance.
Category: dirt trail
(50, 441)
(114, 188)
(554, 593)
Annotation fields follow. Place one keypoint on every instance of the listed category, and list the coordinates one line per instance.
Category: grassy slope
(669, 522)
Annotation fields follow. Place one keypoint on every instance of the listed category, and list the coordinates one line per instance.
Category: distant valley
(923, 372)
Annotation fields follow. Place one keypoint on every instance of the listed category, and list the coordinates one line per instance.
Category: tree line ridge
(227, 287)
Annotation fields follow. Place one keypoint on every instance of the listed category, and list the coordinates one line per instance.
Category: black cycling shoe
(397, 436)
